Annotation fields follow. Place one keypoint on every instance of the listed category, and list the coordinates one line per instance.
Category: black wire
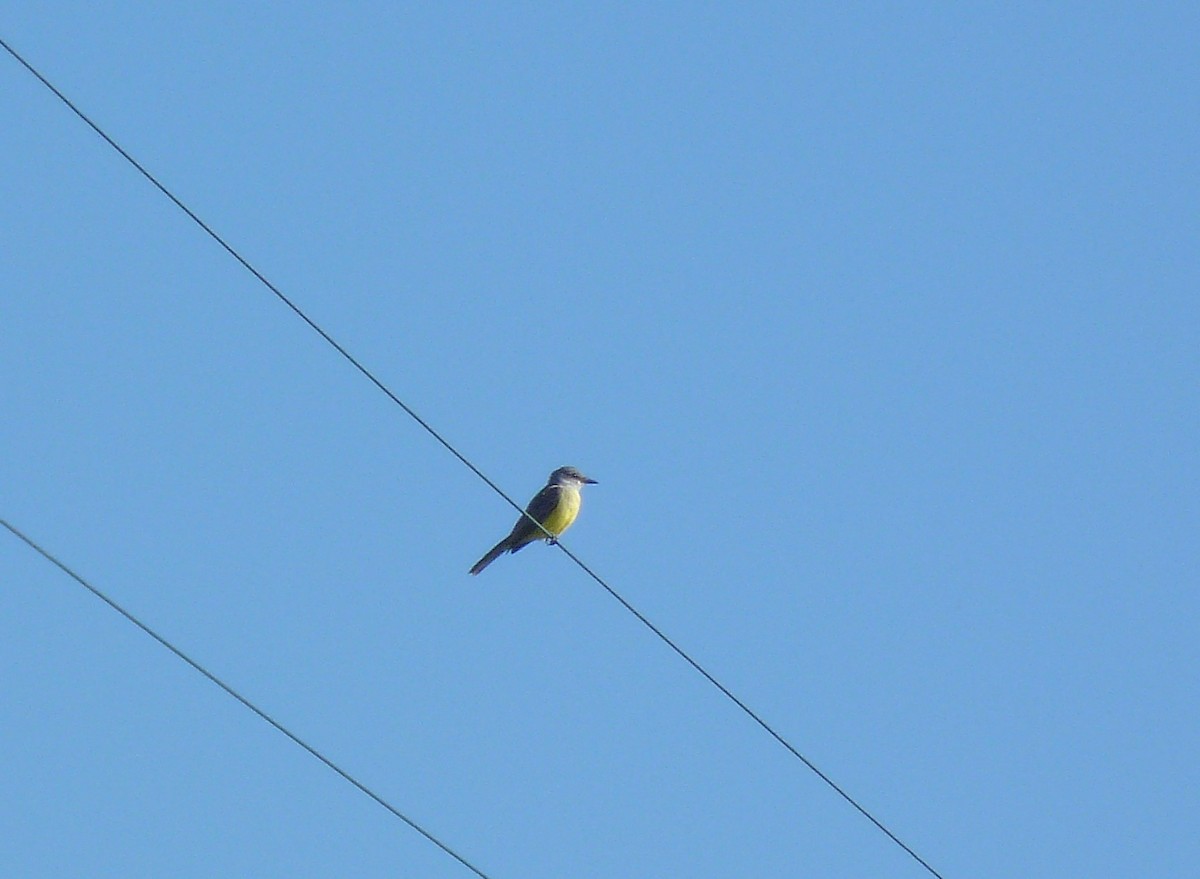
(46, 554)
(437, 436)
(259, 275)
(750, 712)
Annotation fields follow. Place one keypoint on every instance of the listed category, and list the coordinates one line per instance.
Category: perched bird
(555, 507)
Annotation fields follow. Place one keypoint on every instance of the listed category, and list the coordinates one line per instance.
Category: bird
(554, 507)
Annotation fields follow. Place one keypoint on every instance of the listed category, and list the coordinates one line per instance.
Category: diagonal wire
(50, 557)
(753, 715)
(212, 233)
(445, 443)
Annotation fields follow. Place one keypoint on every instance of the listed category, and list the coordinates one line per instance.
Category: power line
(50, 557)
(752, 714)
(212, 233)
(445, 443)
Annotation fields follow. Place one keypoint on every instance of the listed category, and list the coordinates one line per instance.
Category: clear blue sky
(877, 323)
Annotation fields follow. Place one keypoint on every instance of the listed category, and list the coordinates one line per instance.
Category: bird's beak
(590, 481)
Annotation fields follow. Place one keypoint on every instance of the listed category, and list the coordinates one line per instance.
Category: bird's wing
(542, 505)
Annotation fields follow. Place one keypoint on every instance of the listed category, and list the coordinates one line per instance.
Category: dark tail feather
(494, 553)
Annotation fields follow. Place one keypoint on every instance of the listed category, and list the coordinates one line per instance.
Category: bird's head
(566, 475)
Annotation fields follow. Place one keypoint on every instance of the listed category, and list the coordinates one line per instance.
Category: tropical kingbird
(554, 507)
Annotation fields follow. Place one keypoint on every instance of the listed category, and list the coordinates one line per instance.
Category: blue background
(877, 323)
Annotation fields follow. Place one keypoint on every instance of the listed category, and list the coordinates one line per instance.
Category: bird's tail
(494, 553)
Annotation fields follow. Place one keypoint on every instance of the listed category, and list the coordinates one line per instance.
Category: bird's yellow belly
(564, 514)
